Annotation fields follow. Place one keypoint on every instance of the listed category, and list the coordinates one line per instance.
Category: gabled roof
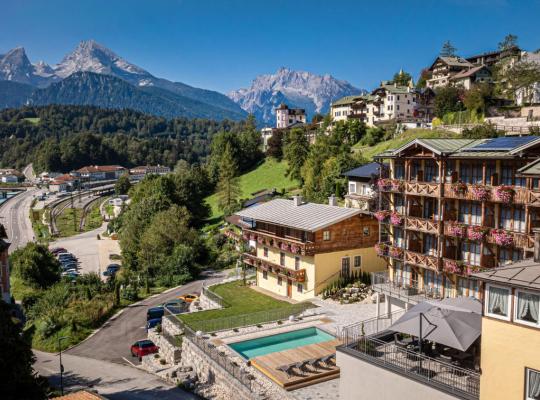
(453, 62)
(532, 168)
(526, 145)
(469, 72)
(436, 145)
(524, 274)
(364, 171)
(347, 100)
(307, 216)
(100, 168)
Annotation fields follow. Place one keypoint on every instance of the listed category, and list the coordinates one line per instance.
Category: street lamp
(61, 366)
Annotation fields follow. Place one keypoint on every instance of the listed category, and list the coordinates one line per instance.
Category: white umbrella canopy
(456, 323)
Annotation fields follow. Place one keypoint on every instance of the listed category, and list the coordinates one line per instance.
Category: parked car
(58, 250)
(68, 266)
(154, 312)
(176, 306)
(152, 323)
(111, 270)
(189, 298)
(142, 348)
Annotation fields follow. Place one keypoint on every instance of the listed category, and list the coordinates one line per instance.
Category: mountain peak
(295, 88)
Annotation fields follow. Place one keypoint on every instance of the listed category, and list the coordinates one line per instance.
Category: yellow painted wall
(328, 265)
(321, 269)
(506, 350)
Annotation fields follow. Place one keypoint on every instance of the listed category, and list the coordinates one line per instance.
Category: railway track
(86, 210)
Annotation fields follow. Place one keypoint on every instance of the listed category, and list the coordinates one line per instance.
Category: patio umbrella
(456, 323)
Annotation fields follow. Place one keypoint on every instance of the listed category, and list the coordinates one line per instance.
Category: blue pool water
(283, 341)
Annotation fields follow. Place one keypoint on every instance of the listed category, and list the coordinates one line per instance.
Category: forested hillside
(61, 138)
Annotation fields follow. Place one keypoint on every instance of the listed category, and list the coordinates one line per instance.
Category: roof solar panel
(502, 143)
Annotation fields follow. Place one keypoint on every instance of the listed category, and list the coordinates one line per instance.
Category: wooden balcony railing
(458, 267)
(298, 275)
(422, 260)
(285, 244)
(487, 193)
(533, 198)
(422, 225)
(422, 189)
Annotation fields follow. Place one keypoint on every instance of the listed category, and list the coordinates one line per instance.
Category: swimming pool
(282, 341)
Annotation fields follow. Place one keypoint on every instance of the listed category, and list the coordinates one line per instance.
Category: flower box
(504, 194)
(395, 252)
(381, 249)
(284, 247)
(476, 232)
(480, 193)
(395, 219)
(384, 184)
(457, 230)
(381, 215)
(502, 237)
(260, 240)
(453, 266)
(295, 249)
(459, 188)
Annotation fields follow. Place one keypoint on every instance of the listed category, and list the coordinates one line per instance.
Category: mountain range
(94, 75)
(299, 89)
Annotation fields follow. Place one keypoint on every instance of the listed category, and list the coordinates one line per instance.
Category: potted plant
(381, 215)
(502, 237)
(456, 229)
(479, 192)
(453, 266)
(476, 232)
(284, 247)
(395, 219)
(384, 184)
(395, 252)
(381, 249)
(295, 249)
(459, 188)
(504, 194)
(397, 185)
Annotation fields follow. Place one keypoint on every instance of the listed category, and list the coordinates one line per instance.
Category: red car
(142, 348)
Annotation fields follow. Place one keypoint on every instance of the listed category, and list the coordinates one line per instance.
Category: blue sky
(223, 45)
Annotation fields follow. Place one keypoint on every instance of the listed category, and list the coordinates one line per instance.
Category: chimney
(332, 201)
(536, 232)
(297, 200)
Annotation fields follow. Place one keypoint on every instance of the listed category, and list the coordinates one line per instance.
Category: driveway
(15, 215)
(116, 382)
(113, 340)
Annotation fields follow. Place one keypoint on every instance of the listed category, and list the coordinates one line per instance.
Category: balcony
(422, 225)
(422, 260)
(487, 193)
(457, 381)
(280, 270)
(390, 185)
(422, 189)
(533, 198)
(407, 290)
(285, 244)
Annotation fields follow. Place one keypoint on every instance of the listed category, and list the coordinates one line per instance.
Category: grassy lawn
(408, 135)
(241, 300)
(64, 222)
(93, 219)
(270, 174)
(34, 121)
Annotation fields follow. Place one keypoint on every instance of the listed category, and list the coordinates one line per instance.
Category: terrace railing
(354, 332)
(407, 290)
(461, 382)
(216, 298)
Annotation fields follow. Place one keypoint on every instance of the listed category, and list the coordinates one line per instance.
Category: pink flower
(395, 219)
(456, 229)
(384, 184)
(381, 215)
(502, 237)
(295, 249)
(397, 185)
(504, 193)
(480, 193)
(395, 252)
(452, 266)
(284, 247)
(381, 249)
(260, 239)
(476, 232)
(459, 188)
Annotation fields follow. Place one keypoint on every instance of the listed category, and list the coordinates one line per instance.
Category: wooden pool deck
(269, 363)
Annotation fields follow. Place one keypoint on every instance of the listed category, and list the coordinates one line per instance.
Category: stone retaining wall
(167, 350)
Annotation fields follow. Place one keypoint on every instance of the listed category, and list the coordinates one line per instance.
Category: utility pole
(61, 366)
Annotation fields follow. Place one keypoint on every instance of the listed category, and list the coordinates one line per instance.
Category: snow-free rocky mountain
(298, 89)
(94, 75)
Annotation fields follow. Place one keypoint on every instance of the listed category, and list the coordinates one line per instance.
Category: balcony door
(345, 266)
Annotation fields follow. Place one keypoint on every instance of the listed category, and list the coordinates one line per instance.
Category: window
(429, 167)
(357, 261)
(265, 252)
(279, 280)
(399, 171)
(526, 307)
(352, 187)
(399, 204)
(398, 237)
(467, 288)
(265, 274)
(509, 255)
(296, 263)
(282, 259)
(345, 266)
(497, 302)
(470, 253)
(326, 235)
(430, 245)
(300, 288)
(366, 230)
(470, 213)
(532, 386)
(513, 220)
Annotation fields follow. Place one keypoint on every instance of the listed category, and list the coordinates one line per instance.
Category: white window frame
(352, 184)
(527, 370)
(486, 303)
(326, 235)
(516, 319)
(354, 261)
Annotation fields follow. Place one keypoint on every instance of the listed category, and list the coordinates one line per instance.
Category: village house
(99, 172)
(467, 78)
(444, 68)
(362, 181)
(141, 171)
(452, 207)
(300, 248)
(64, 183)
(285, 116)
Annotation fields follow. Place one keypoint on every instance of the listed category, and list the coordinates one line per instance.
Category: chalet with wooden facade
(299, 248)
(453, 207)
(362, 185)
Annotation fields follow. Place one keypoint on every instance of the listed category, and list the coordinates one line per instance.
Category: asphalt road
(15, 215)
(116, 382)
(112, 343)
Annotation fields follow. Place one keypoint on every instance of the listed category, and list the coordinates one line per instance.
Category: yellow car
(189, 298)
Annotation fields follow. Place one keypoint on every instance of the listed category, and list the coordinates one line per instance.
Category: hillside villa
(299, 248)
